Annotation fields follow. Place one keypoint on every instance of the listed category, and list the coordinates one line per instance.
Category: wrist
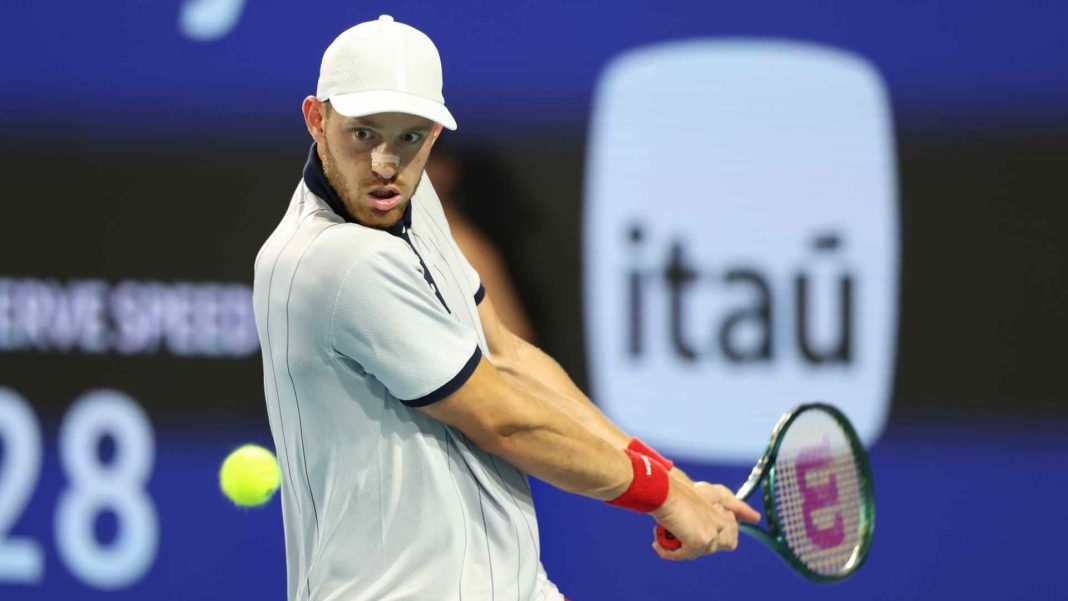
(638, 446)
(662, 513)
(649, 486)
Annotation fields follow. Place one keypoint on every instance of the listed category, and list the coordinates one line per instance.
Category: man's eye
(412, 137)
(362, 134)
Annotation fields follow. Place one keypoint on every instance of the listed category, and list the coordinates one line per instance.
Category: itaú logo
(740, 243)
(742, 332)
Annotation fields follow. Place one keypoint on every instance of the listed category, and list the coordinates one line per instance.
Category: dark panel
(983, 271)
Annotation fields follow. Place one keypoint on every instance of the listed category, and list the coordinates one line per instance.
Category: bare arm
(537, 437)
(533, 435)
(528, 368)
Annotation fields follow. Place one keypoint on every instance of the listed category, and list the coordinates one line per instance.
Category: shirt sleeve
(387, 319)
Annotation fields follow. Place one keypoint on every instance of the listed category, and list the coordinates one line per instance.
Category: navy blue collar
(315, 179)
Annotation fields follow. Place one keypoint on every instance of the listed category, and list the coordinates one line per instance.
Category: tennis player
(404, 415)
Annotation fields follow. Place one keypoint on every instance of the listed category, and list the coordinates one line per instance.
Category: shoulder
(348, 247)
(345, 263)
(313, 249)
(338, 245)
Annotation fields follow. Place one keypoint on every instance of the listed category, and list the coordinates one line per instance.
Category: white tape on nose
(381, 159)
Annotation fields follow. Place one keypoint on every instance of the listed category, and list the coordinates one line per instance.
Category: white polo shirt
(358, 326)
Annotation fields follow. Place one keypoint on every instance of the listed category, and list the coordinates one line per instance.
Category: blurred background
(148, 148)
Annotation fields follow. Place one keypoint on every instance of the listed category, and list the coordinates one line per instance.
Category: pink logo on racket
(817, 497)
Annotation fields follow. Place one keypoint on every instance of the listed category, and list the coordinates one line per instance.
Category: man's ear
(314, 117)
(437, 131)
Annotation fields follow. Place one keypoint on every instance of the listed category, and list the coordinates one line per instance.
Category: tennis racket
(818, 495)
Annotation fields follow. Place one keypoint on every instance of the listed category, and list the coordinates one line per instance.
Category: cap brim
(361, 104)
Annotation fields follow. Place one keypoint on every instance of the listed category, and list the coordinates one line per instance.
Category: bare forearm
(531, 365)
(533, 435)
(532, 370)
(536, 372)
(566, 455)
(527, 368)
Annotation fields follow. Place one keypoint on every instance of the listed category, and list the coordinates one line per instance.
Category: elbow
(505, 355)
(497, 415)
(485, 440)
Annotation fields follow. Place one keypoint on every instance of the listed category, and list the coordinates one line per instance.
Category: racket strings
(819, 509)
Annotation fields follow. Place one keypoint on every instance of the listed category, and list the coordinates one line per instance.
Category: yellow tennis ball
(249, 476)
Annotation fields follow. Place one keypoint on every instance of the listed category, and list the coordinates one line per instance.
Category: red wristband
(648, 489)
(638, 446)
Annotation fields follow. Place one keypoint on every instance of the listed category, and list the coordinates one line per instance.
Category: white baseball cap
(384, 67)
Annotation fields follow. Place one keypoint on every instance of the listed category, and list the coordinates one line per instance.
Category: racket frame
(763, 473)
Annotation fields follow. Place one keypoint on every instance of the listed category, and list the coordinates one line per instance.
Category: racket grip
(666, 539)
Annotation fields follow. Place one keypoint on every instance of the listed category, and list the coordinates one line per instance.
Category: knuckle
(729, 539)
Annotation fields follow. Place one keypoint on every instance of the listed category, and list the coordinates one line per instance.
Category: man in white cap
(404, 415)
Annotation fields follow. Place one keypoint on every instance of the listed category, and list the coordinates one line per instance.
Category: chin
(378, 219)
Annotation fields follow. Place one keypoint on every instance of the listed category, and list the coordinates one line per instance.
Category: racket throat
(753, 480)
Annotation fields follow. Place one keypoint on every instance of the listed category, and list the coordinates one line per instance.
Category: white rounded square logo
(741, 242)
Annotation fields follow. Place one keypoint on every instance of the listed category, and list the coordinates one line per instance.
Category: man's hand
(717, 494)
(709, 527)
(701, 526)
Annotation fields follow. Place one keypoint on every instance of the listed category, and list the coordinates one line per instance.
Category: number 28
(118, 486)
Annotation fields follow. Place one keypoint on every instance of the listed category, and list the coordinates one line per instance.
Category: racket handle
(666, 539)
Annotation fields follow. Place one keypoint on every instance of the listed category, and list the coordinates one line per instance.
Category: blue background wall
(947, 62)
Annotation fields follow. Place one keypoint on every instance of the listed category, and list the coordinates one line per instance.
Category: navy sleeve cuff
(481, 294)
(452, 385)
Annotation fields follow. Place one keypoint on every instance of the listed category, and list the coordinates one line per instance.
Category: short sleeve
(387, 319)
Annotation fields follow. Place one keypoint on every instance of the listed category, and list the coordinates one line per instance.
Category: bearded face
(375, 162)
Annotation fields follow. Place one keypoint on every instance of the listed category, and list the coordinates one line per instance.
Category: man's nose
(384, 164)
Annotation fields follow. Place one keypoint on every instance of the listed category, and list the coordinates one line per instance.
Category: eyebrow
(363, 121)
